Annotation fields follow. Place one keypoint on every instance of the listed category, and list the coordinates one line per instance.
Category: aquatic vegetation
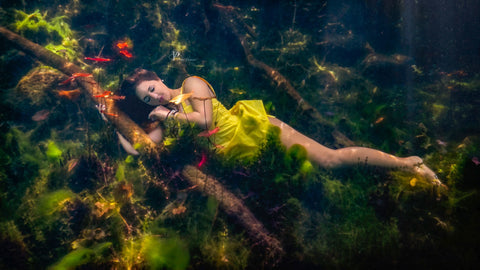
(48, 205)
(12, 246)
(55, 30)
(54, 154)
(82, 256)
(34, 88)
(169, 253)
(70, 197)
(225, 251)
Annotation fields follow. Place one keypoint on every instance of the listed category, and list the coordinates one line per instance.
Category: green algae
(54, 154)
(56, 30)
(81, 256)
(347, 217)
(164, 253)
(53, 202)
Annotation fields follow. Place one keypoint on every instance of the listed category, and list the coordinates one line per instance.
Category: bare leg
(331, 158)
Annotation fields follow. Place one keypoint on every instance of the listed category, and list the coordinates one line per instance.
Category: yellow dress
(242, 129)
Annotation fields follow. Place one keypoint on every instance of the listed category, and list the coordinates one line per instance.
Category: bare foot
(418, 167)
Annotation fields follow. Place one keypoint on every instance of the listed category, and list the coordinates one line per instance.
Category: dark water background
(399, 76)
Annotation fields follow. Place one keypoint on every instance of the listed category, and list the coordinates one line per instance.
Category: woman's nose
(155, 96)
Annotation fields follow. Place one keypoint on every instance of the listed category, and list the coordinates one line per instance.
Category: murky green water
(401, 77)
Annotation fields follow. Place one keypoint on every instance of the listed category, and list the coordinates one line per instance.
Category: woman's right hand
(159, 113)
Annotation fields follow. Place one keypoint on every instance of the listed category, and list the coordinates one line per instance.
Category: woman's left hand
(159, 113)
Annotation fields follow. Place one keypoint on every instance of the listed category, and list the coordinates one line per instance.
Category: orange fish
(126, 53)
(104, 95)
(98, 59)
(69, 94)
(379, 120)
(208, 133)
(74, 76)
(122, 45)
(178, 99)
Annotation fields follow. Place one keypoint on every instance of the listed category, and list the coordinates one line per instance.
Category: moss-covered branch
(230, 204)
(234, 22)
(121, 121)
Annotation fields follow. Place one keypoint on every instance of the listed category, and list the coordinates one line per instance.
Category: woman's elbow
(156, 135)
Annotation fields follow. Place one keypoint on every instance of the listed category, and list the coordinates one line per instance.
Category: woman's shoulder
(194, 80)
(196, 84)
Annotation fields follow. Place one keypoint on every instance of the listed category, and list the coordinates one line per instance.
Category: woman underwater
(239, 133)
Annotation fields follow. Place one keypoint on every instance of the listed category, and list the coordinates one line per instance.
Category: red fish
(98, 59)
(104, 95)
(126, 53)
(208, 133)
(74, 76)
(202, 161)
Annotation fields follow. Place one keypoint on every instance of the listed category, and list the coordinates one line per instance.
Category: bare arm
(156, 134)
(200, 102)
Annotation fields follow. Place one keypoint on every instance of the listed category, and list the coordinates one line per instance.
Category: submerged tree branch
(227, 200)
(235, 207)
(121, 121)
(234, 22)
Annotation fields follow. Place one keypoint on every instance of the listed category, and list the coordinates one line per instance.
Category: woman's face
(153, 92)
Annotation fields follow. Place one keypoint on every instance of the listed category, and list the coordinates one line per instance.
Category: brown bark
(235, 207)
(233, 21)
(229, 203)
(122, 122)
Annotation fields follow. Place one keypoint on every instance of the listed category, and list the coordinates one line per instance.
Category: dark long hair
(135, 108)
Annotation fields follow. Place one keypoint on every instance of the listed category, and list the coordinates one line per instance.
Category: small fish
(202, 161)
(441, 143)
(179, 210)
(413, 182)
(115, 97)
(476, 161)
(208, 133)
(104, 95)
(379, 120)
(122, 45)
(126, 53)
(74, 76)
(71, 164)
(41, 115)
(98, 59)
(178, 99)
(70, 94)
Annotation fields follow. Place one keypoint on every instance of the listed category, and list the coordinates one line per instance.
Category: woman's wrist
(172, 113)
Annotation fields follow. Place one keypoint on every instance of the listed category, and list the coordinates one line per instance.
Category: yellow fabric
(242, 129)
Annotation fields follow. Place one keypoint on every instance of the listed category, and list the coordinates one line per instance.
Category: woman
(239, 133)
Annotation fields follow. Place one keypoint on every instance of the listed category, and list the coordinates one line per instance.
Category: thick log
(235, 207)
(228, 202)
(122, 122)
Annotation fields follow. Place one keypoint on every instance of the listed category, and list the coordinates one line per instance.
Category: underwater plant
(55, 31)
